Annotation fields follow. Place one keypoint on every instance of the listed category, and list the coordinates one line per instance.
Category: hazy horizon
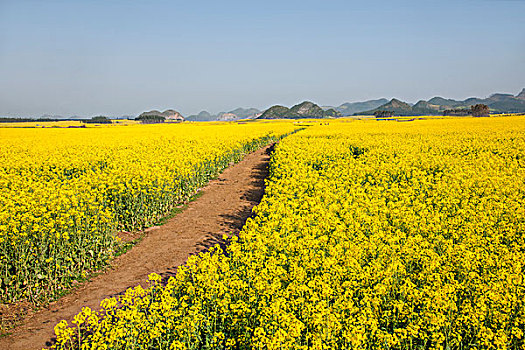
(121, 58)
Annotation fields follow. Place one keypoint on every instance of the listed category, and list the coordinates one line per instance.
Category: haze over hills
(349, 108)
(498, 103)
(203, 116)
(238, 113)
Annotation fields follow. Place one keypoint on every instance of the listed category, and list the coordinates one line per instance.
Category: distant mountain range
(498, 103)
(305, 109)
(168, 114)
(350, 108)
(236, 114)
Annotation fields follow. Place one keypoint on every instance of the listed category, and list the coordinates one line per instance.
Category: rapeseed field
(371, 235)
(65, 192)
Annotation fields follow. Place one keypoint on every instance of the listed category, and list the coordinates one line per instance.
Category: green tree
(480, 110)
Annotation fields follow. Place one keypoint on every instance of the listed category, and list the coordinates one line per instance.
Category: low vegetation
(151, 119)
(98, 120)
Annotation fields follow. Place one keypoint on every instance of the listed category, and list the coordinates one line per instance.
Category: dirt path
(223, 208)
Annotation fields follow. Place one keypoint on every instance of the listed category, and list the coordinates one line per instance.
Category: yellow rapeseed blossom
(371, 235)
(64, 192)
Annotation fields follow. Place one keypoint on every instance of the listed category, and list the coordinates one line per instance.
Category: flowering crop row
(64, 192)
(370, 235)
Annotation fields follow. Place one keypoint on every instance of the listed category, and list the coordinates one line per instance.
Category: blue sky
(123, 57)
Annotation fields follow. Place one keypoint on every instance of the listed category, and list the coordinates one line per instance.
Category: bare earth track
(222, 209)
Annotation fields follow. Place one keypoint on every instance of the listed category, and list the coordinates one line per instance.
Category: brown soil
(223, 208)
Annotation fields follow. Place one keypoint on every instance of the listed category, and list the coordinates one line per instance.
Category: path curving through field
(224, 206)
